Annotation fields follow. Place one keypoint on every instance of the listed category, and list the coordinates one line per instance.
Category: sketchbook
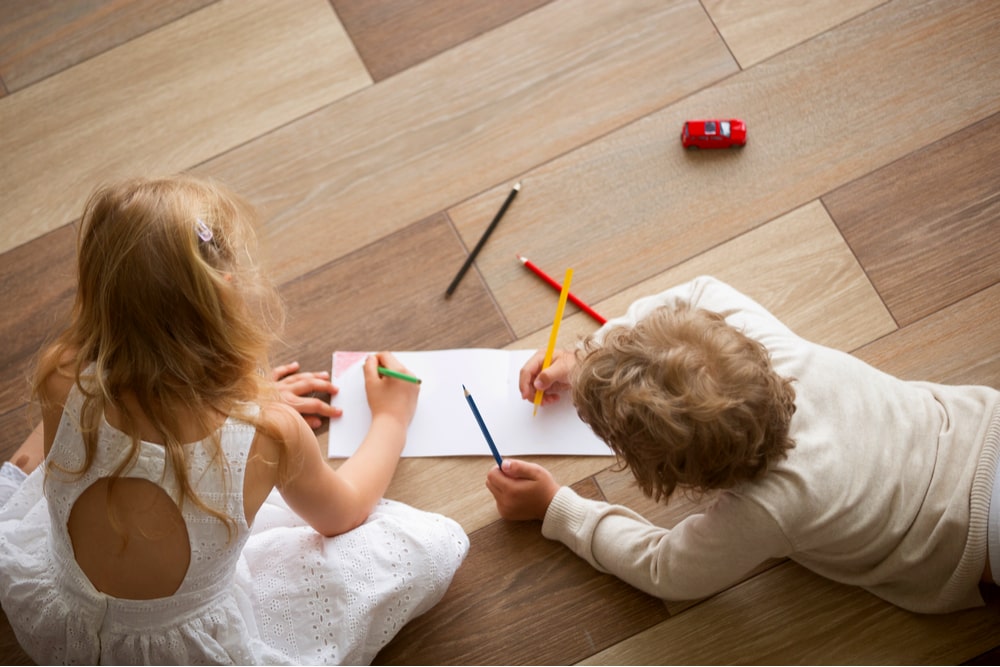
(444, 425)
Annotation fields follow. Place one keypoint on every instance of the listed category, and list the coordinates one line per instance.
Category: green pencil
(388, 372)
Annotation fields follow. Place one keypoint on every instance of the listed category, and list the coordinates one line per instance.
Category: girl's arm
(335, 501)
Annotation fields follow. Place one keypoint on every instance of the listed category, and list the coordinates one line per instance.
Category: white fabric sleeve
(700, 556)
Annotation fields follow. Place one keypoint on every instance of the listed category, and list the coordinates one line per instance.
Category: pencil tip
(521, 258)
(517, 186)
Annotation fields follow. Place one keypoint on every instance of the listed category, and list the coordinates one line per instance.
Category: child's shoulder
(58, 372)
(280, 421)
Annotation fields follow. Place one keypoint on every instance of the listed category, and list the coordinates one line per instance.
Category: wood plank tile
(37, 287)
(755, 31)
(11, 651)
(522, 599)
(991, 657)
(788, 615)
(38, 39)
(927, 228)
(621, 208)
(375, 299)
(16, 424)
(165, 102)
(956, 345)
(797, 266)
(384, 31)
(482, 112)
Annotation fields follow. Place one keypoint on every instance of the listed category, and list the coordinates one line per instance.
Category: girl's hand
(388, 396)
(294, 388)
(523, 491)
(553, 380)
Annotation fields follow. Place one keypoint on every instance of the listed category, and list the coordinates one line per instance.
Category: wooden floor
(378, 137)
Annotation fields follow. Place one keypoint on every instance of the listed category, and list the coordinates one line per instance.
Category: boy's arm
(703, 292)
(700, 556)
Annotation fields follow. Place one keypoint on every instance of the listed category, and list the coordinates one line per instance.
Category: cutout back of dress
(129, 538)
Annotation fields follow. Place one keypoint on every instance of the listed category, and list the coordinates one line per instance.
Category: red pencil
(558, 287)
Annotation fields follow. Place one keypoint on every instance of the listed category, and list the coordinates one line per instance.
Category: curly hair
(684, 399)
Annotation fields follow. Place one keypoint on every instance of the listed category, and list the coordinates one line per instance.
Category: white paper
(444, 424)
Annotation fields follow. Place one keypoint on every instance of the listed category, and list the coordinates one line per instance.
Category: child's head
(171, 316)
(685, 399)
(169, 297)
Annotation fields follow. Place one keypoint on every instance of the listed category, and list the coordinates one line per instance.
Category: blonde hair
(170, 310)
(683, 398)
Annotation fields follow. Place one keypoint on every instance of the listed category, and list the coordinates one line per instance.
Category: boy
(858, 476)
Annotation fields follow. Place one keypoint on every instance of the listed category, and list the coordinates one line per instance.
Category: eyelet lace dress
(275, 593)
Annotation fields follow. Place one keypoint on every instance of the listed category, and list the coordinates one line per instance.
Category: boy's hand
(522, 490)
(294, 388)
(553, 380)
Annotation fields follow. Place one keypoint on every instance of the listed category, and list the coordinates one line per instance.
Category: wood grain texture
(37, 286)
(11, 651)
(621, 208)
(758, 29)
(375, 192)
(393, 35)
(16, 425)
(788, 615)
(489, 615)
(165, 102)
(481, 113)
(38, 39)
(927, 227)
(797, 266)
(376, 299)
(956, 345)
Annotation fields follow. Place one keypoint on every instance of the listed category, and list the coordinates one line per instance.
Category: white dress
(277, 592)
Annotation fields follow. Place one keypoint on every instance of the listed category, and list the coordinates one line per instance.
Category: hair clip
(203, 230)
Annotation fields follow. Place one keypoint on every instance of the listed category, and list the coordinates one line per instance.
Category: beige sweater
(888, 486)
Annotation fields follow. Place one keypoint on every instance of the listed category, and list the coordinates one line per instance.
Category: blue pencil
(482, 426)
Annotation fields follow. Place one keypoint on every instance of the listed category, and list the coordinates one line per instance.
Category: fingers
(305, 383)
(285, 369)
(311, 405)
(389, 360)
(387, 395)
(297, 389)
(521, 490)
(529, 372)
(551, 380)
(517, 469)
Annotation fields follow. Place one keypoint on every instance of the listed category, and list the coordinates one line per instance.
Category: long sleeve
(887, 486)
(703, 554)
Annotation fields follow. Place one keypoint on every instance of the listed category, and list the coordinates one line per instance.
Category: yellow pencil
(555, 333)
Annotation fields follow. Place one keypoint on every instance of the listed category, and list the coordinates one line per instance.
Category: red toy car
(714, 134)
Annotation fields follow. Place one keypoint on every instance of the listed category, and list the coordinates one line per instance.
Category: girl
(812, 455)
(184, 513)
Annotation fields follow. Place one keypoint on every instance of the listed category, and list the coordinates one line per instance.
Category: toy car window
(725, 128)
(710, 127)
